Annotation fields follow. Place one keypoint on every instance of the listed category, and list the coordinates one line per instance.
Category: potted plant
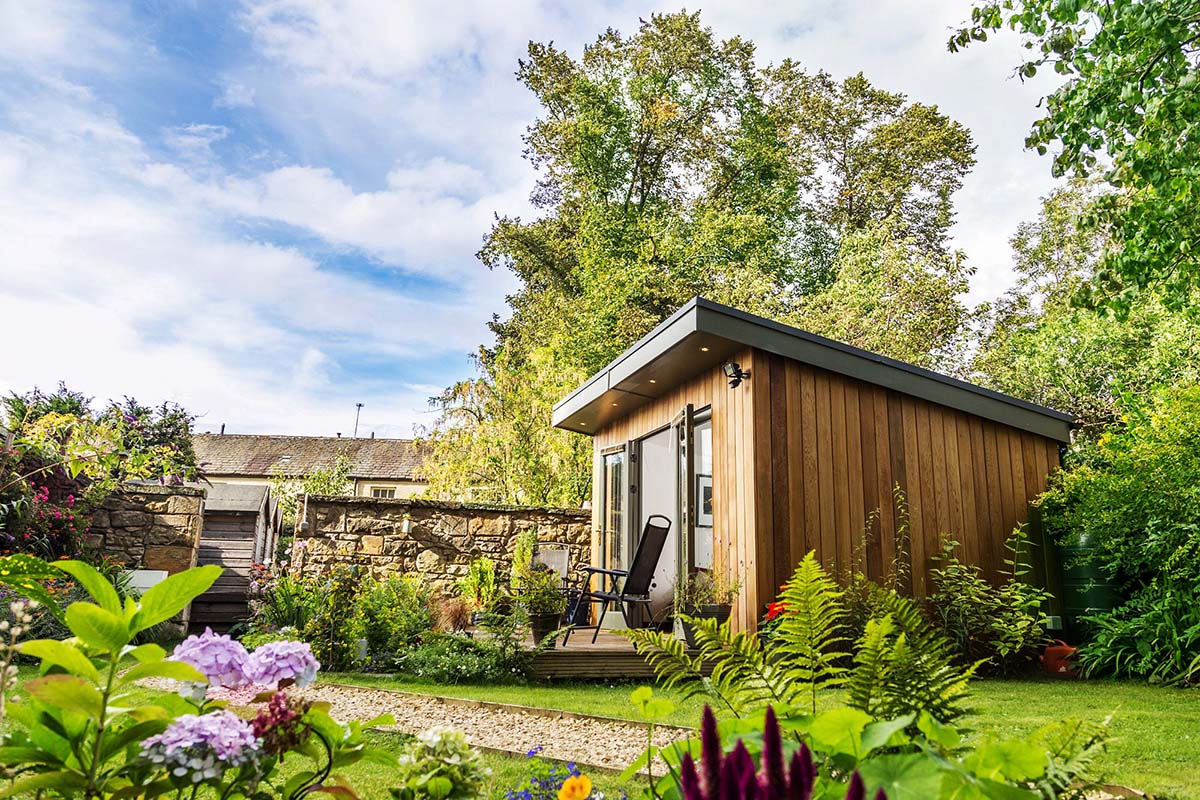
(478, 587)
(703, 595)
(544, 602)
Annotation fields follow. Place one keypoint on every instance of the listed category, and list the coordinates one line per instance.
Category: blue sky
(268, 210)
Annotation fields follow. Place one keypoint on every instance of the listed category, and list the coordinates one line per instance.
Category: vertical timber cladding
(735, 488)
(827, 451)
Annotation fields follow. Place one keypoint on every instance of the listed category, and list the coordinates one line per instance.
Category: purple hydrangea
(278, 662)
(200, 748)
(219, 658)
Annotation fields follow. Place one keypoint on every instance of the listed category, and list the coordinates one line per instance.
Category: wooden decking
(612, 657)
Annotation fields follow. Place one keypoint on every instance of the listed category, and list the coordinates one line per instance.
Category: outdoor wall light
(735, 373)
(406, 525)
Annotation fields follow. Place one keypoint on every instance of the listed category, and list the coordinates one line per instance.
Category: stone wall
(150, 527)
(444, 536)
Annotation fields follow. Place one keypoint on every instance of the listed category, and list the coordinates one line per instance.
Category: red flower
(774, 610)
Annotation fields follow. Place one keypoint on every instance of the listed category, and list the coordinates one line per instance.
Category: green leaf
(1013, 760)
(171, 596)
(25, 574)
(69, 692)
(175, 670)
(132, 734)
(879, 734)
(639, 764)
(147, 653)
(839, 731)
(27, 755)
(96, 627)
(52, 651)
(69, 784)
(905, 776)
(94, 583)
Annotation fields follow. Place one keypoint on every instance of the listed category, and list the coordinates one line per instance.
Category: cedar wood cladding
(804, 457)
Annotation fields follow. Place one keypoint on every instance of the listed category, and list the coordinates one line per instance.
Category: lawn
(1156, 730)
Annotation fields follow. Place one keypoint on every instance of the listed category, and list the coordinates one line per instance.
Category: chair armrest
(619, 573)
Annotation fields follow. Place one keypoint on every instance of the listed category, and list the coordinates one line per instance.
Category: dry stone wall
(150, 527)
(443, 538)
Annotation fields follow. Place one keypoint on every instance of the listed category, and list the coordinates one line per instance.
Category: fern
(904, 665)
(674, 668)
(809, 639)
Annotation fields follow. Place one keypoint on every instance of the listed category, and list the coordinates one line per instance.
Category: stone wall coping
(166, 491)
(448, 505)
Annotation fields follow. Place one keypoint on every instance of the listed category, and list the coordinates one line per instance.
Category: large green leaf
(902, 776)
(884, 732)
(1012, 760)
(67, 784)
(171, 596)
(839, 731)
(94, 583)
(98, 628)
(146, 653)
(61, 654)
(68, 692)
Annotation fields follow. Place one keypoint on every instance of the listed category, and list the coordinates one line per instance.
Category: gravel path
(595, 742)
(611, 744)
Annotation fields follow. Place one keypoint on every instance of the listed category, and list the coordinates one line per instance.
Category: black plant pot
(542, 625)
(718, 612)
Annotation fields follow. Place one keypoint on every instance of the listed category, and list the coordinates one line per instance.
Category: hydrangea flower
(219, 658)
(201, 748)
(277, 662)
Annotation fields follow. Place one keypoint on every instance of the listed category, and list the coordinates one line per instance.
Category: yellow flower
(577, 788)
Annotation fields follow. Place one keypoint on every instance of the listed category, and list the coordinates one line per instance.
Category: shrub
(900, 664)
(1134, 499)
(498, 657)
(391, 615)
(440, 764)
(478, 586)
(999, 627)
(522, 559)
(541, 591)
(84, 730)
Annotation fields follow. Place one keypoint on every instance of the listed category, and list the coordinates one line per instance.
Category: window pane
(702, 542)
(614, 510)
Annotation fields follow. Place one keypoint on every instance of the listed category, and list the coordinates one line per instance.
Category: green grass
(1156, 730)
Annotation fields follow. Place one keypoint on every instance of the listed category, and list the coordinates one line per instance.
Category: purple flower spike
(219, 658)
(857, 790)
(710, 753)
(689, 781)
(286, 663)
(772, 755)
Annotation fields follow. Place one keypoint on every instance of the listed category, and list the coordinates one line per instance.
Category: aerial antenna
(357, 411)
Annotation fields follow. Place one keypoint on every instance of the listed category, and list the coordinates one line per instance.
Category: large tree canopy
(1037, 345)
(670, 165)
(1129, 111)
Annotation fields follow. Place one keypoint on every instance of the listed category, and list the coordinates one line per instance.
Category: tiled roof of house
(248, 455)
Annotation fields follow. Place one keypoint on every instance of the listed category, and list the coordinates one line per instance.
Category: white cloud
(390, 128)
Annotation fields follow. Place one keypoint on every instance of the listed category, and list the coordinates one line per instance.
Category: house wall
(806, 459)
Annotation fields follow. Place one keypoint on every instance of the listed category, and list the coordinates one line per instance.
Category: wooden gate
(239, 529)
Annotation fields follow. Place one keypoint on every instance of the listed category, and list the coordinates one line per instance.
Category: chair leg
(600, 619)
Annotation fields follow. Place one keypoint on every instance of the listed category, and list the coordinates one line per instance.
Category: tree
(672, 165)
(1128, 113)
(1036, 345)
(894, 297)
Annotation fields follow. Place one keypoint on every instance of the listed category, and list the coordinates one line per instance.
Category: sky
(268, 210)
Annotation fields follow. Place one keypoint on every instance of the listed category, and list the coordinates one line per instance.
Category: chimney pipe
(339, 434)
(372, 434)
(222, 428)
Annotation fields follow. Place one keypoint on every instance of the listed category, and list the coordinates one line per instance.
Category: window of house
(612, 519)
(383, 492)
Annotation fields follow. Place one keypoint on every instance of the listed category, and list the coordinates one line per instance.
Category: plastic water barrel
(1085, 588)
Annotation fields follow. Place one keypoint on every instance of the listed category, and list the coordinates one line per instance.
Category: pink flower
(219, 658)
(283, 662)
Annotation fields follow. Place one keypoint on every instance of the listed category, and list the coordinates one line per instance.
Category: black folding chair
(636, 589)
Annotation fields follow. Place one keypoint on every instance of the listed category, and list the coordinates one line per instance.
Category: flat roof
(702, 335)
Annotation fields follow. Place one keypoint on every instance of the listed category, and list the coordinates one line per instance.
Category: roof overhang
(702, 335)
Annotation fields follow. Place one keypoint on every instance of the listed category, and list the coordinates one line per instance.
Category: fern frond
(674, 668)
(904, 665)
(742, 671)
(809, 641)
